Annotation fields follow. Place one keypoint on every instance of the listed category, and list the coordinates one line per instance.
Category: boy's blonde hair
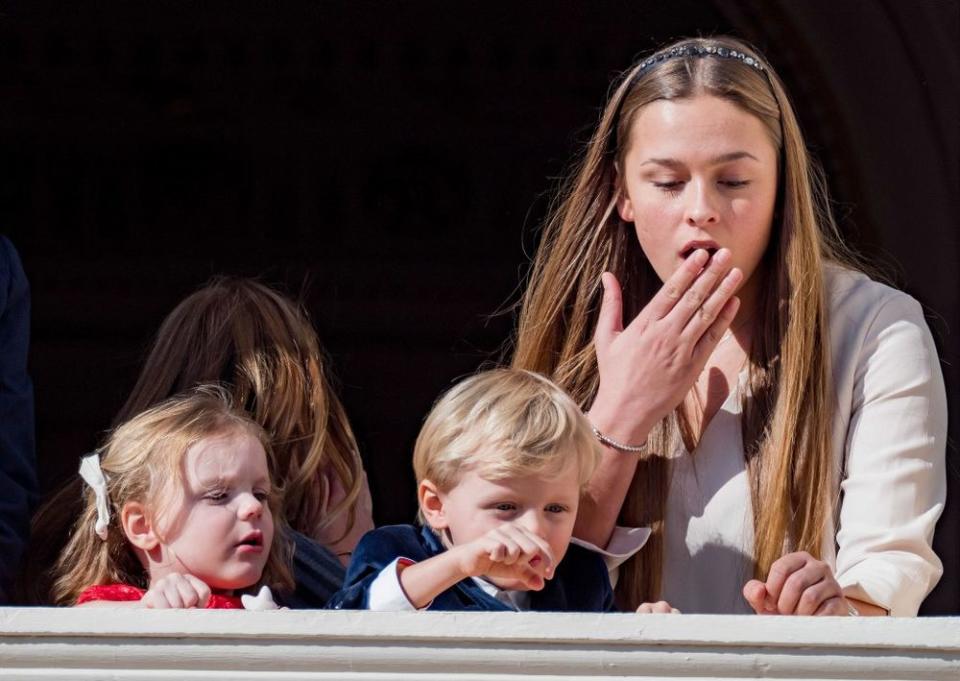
(142, 461)
(504, 423)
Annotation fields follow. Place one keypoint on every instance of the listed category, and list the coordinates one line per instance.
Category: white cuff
(385, 590)
(623, 545)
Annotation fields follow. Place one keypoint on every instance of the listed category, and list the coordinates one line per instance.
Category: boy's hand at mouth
(508, 552)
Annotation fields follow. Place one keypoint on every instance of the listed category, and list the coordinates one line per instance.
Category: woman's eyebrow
(732, 156)
(673, 163)
(666, 162)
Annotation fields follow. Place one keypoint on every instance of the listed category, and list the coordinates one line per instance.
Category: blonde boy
(500, 464)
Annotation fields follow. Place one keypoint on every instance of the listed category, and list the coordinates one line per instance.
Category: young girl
(768, 409)
(263, 346)
(177, 512)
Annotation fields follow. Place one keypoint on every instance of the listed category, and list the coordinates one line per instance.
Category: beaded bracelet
(633, 449)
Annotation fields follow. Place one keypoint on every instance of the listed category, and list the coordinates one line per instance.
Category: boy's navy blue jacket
(581, 582)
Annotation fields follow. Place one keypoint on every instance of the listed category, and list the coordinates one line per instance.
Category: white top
(889, 441)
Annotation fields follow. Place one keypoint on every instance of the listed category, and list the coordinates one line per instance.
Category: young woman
(775, 416)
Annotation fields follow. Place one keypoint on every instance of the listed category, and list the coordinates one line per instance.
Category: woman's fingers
(610, 318)
(676, 286)
(692, 326)
(755, 593)
(709, 338)
(816, 596)
(782, 569)
(794, 593)
(797, 584)
(700, 290)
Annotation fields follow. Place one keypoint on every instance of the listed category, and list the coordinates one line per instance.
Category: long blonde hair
(142, 461)
(786, 411)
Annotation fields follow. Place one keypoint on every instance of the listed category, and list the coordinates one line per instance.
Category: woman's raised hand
(648, 367)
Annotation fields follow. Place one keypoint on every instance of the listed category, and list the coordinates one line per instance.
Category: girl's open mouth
(251, 542)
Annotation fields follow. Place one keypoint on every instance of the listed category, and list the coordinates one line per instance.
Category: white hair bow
(93, 476)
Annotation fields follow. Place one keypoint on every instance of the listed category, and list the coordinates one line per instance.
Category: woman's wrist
(618, 429)
(624, 447)
(866, 609)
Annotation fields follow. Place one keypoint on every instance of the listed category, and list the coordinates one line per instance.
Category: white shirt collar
(517, 600)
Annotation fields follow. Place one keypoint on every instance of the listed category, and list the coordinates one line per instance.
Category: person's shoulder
(9, 258)
(584, 576)
(392, 534)
(6, 248)
(380, 546)
(11, 271)
(852, 296)
(581, 584)
(582, 560)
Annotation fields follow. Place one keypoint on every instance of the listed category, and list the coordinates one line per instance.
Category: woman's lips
(711, 247)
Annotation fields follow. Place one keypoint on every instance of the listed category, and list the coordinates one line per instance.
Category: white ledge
(38, 643)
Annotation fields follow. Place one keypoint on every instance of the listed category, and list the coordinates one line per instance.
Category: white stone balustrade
(116, 643)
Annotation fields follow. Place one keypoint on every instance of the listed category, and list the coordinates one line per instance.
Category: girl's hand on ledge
(176, 591)
(799, 584)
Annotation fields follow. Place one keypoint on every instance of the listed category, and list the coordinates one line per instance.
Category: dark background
(391, 161)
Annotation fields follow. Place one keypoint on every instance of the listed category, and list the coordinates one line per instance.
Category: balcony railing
(108, 643)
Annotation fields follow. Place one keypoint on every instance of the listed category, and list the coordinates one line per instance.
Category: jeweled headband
(700, 51)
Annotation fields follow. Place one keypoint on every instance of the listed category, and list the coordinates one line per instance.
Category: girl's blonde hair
(787, 409)
(142, 461)
(504, 423)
